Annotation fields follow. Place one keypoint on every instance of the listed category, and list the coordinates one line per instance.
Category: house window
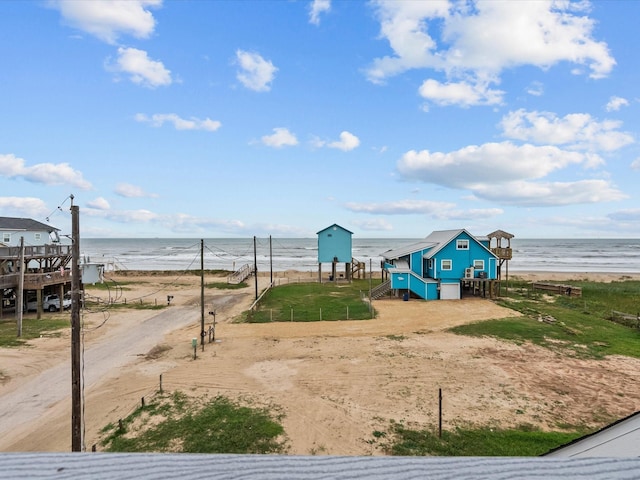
(37, 236)
(445, 265)
(6, 237)
(478, 264)
(430, 263)
(462, 244)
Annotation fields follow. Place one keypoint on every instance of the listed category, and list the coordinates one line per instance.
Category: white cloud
(281, 137)
(141, 69)
(454, 38)
(615, 103)
(632, 214)
(108, 19)
(123, 216)
(576, 130)
(376, 224)
(507, 173)
(23, 206)
(467, 215)
(459, 93)
(132, 191)
(491, 162)
(547, 194)
(536, 89)
(45, 173)
(158, 119)
(402, 207)
(99, 203)
(316, 8)
(347, 142)
(636, 164)
(256, 73)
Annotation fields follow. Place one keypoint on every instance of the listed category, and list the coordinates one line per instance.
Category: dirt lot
(334, 382)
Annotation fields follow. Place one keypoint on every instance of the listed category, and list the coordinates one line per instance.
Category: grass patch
(31, 328)
(521, 442)
(226, 286)
(131, 305)
(580, 327)
(177, 423)
(308, 302)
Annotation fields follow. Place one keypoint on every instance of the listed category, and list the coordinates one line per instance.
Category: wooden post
(255, 265)
(76, 356)
(440, 413)
(160, 383)
(202, 293)
(20, 296)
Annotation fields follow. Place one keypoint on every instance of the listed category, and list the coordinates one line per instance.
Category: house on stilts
(443, 265)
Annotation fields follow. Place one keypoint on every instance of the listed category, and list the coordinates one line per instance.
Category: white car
(50, 303)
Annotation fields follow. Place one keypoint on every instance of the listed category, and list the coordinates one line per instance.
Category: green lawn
(31, 328)
(581, 326)
(485, 442)
(176, 423)
(308, 302)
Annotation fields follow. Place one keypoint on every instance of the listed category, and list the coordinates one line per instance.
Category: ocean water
(558, 255)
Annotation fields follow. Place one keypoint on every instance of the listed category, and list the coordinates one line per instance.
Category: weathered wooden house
(46, 261)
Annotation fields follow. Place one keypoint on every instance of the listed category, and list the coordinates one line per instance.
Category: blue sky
(209, 119)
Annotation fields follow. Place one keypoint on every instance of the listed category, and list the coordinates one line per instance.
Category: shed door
(450, 291)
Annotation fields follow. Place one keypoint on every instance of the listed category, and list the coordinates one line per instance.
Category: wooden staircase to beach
(241, 274)
(358, 268)
(381, 290)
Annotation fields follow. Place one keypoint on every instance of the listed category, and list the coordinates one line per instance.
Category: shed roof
(25, 224)
(334, 225)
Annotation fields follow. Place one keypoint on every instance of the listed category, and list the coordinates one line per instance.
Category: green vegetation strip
(521, 442)
(308, 302)
(177, 423)
(574, 325)
(31, 328)
(226, 286)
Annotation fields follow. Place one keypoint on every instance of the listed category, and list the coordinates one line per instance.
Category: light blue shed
(335, 246)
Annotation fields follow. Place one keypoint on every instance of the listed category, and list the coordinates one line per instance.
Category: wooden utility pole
(20, 296)
(255, 265)
(76, 359)
(202, 334)
(271, 259)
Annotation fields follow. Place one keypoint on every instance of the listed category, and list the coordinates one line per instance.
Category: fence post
(440, 413)
(347, 312)
(292, 314)
(320, 313)
(160, 383)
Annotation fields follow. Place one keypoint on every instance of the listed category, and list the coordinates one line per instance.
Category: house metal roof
(433, 243)
(620, 439)
(25, 224)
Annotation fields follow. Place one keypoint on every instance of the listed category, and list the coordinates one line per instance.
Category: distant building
(440, 265)
(46, 262)
(34, 233)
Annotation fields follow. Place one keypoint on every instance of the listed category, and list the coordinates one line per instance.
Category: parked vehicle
(50, 303)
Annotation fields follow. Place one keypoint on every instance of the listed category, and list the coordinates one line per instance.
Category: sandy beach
(334, 382)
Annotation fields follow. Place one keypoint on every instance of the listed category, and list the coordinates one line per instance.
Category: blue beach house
(441, 265)
(335, 246)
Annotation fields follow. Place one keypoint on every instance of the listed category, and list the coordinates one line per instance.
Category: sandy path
(334, 382)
